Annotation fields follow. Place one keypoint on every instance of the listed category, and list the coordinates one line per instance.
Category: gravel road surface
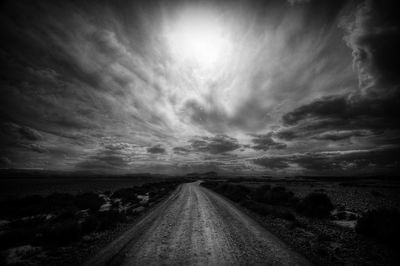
(196, 226)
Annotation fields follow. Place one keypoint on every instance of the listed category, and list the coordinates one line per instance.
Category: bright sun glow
(198, 38)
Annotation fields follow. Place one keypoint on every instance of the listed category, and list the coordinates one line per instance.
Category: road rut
(196, 226)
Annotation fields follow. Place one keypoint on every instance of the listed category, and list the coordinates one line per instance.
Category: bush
(376, 193)
(259, 193)
(317, 205)
(275, 196)
(265, 209)
(59, 200)
(235, 193)
(17, 237)
(27, 206)
(62, 233)
(285, 214)
(260, 208)
(90, 201)
(382, 225)
(90, 224)
(126, 195)
(66, 213)
(109, 219)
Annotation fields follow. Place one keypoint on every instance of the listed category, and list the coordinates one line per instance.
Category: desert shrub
(89, 224)
(382, 225)
(60, 199)
(317, 205)
(260, 208)
(275, 196)
(62, 232)
(376, 193)
(34, 205)
(17, 237)
(235, 192)
(65, 213)
(109, 219)
(89, 200)
(126, 195)
(284, 214)
(265, 209)
(259, 193)
(27, 206)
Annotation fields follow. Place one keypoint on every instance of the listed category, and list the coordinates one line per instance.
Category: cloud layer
(303, 87)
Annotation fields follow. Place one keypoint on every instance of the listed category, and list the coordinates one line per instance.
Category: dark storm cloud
(30, 133)
(348, 111)
(181, 150)
(342, 134)
(94, 85)
(214, 145)
(158, 148)
(217, 144)
(111, 156)
(266, 142)
(286, 134)
(34, 147)
(293, 2)
(337, 162)
(14, 136)
(14, 131)
(105, 160)
(374, 36)
(5, 162)
(273, 163)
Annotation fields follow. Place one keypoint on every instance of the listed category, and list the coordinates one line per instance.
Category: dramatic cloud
(272, 163)
(352, 162)
(293, 2)
(342, 134)
(212, 145)
(112, 85)
(374, 36)
(181, 150)
(156, 149)
(265, 142)
(5, 162)
(347, 111)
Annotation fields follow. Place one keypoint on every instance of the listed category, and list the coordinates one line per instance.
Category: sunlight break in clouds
(179, 86)
(197, 37)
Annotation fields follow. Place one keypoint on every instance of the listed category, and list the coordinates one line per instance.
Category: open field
(65, 228)
(71, 220)
(46, 186)
(358, 224)
(362, 195)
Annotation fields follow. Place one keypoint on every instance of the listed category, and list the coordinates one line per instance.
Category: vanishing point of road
(196, 226)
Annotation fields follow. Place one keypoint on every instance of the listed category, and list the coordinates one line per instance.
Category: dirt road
(196, 226)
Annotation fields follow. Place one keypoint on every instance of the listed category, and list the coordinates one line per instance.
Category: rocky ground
(64, 229)
(333, 240)
(197, 227)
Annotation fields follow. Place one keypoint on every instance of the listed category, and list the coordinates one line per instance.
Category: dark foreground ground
(332, 221)
(66, 228)
(235, 221)
(197, 227)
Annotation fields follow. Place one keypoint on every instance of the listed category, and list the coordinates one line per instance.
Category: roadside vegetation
(382, 225)
(274, 200)
(42, 223)
(324, 232)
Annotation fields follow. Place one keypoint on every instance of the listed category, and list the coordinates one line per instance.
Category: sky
(297, 87)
